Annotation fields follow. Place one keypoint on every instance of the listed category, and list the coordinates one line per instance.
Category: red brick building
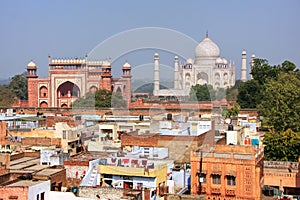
(70, 79)
(227, 172)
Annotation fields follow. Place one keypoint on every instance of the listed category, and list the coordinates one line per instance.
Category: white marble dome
(207, 48)
(189, 61)
(219, 60)
(127, 65)
(31, 64)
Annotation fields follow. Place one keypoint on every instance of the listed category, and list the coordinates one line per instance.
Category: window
(37, 197)
(64, 134)
(202, 178)
(43, 196)
(216, 179)
(230, 180)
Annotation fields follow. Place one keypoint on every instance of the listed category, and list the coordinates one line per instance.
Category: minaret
(32, 85)
(127, 82)
(176, 73)
(156, 75)
(244, 67)
(252, 64)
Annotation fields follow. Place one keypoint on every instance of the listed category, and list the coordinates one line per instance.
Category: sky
(32, 30)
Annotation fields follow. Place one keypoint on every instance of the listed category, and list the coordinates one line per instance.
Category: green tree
(117, 101)
(201, 92)
(103, 99)
(232, 92)
(18, 85)
(283, 146)
(280, 102)
(6, 96)
(233, 112)
(220, 93)
(88, 101)
(100, 99)
(249, 94)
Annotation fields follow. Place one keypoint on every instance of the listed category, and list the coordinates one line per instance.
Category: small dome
(31, 64)
(223, 102)
(189, 61)
(253, 56)
(219, 60)
(244, 52)
(207, 48)
(225, 62)
(106, 63)
(127, 65)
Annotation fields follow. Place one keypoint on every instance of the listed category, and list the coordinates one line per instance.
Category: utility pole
(200, 174)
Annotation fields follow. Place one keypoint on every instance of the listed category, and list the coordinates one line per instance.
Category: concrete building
(230, 172)
(284, 176)
(70, 79)
(26, 190)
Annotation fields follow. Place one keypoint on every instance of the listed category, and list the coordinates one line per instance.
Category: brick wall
(59, 177)
(183, 197)
(3, 126)
(179, 146)
(72, 169)
(13, 192)
(32, 92)
(39, 141)
(103, 192)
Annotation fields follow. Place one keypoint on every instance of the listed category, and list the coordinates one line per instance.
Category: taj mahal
(208, 67)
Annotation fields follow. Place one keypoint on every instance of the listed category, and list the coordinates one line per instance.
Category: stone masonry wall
(103, 192)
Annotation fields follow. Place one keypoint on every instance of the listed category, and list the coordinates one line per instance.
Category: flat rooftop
(48, 172)
(25, 183)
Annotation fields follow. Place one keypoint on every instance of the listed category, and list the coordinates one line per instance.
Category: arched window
(43, 92)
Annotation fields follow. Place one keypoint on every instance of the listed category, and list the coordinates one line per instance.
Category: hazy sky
(32, 30)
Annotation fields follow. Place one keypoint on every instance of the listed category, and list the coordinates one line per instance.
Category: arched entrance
(43, 104)
(66, 93)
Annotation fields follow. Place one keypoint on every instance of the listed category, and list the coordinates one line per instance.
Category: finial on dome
(206, 34)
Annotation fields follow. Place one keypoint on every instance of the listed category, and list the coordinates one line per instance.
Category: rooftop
(25, 183)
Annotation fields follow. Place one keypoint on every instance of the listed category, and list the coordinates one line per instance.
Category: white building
(208, 67)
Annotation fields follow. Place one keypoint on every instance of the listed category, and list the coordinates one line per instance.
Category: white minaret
(176, 73)
(156, 75)
(252, 63)
(244, 67)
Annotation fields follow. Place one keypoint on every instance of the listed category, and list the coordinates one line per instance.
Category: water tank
(169, 117)
(230, 127)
